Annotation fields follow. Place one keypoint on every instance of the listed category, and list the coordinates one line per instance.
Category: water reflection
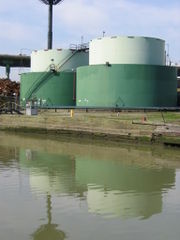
(49, 230)
(113, 187)
(119, 189)
(8, 156)
(51, 173)
(83, 185)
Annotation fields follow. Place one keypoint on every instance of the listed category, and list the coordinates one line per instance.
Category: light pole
(50, 3)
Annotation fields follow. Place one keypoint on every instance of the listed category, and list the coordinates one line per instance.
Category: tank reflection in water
(123, 190)
(88, 191)
(113, 187)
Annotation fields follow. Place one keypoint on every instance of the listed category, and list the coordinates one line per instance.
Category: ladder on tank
(36, 84)
(49, 72)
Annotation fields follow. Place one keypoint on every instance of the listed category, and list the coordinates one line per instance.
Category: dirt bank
(150, 127)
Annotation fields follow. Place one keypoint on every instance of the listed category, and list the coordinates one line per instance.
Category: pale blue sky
(23, 23)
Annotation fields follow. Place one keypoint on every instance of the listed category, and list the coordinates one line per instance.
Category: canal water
(74, 189)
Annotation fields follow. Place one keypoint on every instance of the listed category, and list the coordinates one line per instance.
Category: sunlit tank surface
(127, 72)
(126, 85)
(63, 59)
(127, 50)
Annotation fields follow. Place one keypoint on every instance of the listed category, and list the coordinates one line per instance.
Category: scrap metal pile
(9, 97)
(9, 88)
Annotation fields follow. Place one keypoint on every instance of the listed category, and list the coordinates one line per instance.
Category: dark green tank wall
(57, 89)
(125, 85)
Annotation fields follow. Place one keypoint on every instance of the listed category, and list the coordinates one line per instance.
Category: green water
(85, 190)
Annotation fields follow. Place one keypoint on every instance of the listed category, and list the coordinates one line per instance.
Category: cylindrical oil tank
(126, 85)
(57, 89)
(127, 50)
(52, 80)
(62, 59)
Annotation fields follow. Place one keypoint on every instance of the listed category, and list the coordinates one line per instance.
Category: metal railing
(65, 60)
(82, 47)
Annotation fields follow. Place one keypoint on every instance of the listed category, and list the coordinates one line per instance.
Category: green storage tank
(126, 85)
(52, 89)
(51, 81)
(127, 72)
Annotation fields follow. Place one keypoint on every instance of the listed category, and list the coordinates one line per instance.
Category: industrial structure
(114, 72)
(127, 72)
(50, 3)
(110, 72)
(52, 80)
(9, 61)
